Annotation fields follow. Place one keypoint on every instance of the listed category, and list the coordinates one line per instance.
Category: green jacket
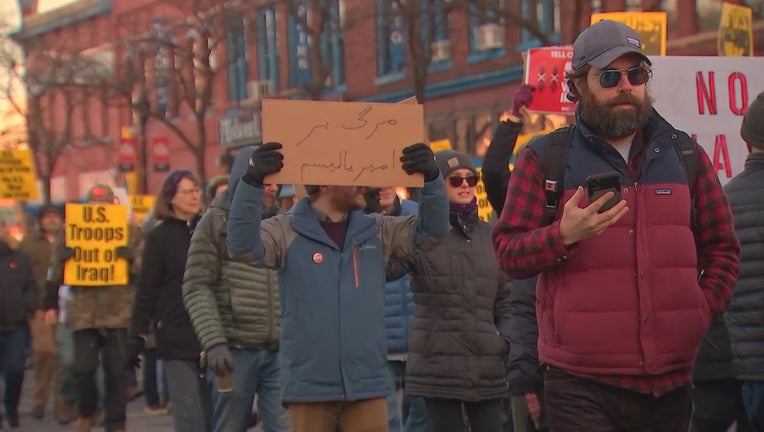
(229, 302)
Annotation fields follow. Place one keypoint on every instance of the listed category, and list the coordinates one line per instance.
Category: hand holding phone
(599, 184)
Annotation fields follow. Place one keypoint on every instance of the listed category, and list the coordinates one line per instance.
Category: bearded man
(625, 292)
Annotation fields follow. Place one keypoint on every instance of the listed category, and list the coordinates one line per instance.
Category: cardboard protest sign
(735, 31)
(545, 69)
(17, 177)
(343, 143)
(707, 98)
(650, 26)
(95, 231)
(141, 205)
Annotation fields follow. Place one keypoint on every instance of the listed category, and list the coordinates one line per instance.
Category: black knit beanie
(752, 129)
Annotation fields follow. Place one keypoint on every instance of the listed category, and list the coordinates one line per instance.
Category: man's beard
(346, 202)
(606, 121)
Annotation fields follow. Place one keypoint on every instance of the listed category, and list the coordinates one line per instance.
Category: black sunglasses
(637, 76)
(457, 181)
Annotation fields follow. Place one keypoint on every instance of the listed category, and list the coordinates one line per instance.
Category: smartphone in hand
(600, 184)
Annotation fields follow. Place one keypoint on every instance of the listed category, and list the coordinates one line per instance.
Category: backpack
(557, 157)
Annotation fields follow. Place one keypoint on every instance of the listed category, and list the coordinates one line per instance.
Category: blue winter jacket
(332, 299)
(399, 302)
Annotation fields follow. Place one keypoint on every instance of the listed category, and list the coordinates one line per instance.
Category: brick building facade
(475, 66)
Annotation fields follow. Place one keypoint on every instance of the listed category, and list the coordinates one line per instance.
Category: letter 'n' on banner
(95, 231)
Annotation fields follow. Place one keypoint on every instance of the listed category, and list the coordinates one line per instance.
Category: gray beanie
(752, 129)
(449, 161)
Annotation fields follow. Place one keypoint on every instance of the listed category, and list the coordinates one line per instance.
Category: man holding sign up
(95, 254)
(331, 259)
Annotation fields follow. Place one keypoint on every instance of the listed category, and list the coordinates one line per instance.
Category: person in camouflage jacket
(234, 308)
(99, 317)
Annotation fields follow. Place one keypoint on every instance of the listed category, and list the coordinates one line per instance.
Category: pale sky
(46, 5)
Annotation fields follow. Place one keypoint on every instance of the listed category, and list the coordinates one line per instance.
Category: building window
(299, 46)
(486, 31)
(161, 63)
(709, 13)
(237, 57)
(547, 14)
(633, 5)
(435, 30)
(391, 39)
(268, 61)
(332, 44)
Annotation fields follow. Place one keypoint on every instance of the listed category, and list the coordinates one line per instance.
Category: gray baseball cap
(603, 42)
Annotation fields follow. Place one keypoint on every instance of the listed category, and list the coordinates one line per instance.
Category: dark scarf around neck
(464, 216)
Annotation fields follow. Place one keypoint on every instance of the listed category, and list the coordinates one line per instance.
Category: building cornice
(39, 24)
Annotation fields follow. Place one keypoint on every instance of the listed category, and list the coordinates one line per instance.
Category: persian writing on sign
(343, 143)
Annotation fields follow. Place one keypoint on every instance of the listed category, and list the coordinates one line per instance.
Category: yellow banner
(17, 177)
(735, 31)
(651, 27)
(141, 205)
(485, 211)
(438, 145)
(95, 231)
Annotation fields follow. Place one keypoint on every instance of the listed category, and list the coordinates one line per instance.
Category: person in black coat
(159, 300)
(523, 371)
(17, 304)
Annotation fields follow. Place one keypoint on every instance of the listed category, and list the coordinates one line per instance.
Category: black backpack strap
(555, 160)
(686, 148)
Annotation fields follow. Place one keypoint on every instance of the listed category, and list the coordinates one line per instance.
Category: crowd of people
(637, 309)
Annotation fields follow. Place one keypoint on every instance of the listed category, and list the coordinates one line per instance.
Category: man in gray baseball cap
(604, 42)
(618, 332)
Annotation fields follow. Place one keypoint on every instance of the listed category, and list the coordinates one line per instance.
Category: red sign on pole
(160, 153)
(126, 154)
(545, 69)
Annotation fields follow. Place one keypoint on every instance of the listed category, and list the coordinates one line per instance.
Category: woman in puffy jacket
(457, 346)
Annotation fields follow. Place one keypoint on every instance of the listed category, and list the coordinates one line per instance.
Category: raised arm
(245, 240)
(402, 235)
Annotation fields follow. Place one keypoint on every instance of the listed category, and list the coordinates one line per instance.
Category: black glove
(66, 253)
(418, 158)
(371, 196)
(265, 160)
(219, 359)
(135, 347)
(125, 252)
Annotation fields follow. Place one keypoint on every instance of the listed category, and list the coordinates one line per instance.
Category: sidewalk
(137, 420)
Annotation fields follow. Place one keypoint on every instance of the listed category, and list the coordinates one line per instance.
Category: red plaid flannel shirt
(526, 247)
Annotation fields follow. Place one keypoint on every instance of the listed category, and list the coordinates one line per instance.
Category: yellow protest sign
(95, 231)
(141, 204)
(17, 178)
(735, 31)
(485, 211)
(650, 26)
(438, 145)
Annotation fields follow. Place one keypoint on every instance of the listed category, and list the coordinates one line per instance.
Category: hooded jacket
(332, 298)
